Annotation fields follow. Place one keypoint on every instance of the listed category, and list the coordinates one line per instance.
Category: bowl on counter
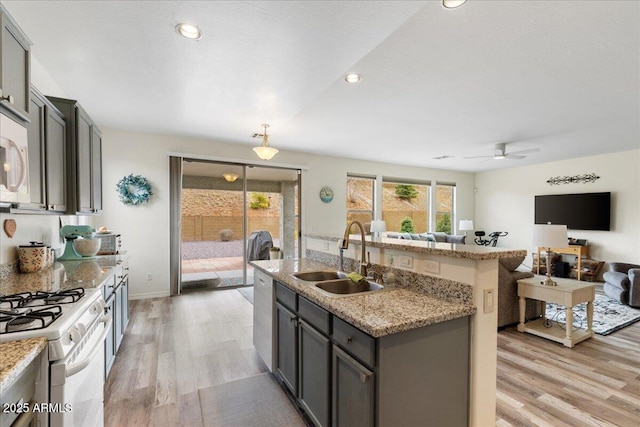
(87, 247)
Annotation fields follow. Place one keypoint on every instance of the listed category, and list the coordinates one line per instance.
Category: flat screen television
(582, 211)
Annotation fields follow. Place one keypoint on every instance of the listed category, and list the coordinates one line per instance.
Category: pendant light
(230, 177)
(264, 151)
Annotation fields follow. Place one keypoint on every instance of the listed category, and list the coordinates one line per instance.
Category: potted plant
(274, 253)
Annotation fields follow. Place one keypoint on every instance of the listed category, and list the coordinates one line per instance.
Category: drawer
(286, 296)
(354, 341)
(316, 316)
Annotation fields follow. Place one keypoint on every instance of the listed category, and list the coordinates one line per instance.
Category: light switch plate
(488, 300)
(432, 266)
(405, 261)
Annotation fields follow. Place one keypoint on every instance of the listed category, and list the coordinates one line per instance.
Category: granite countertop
(474, 252)
(63, 275)
(16, 356)
(379, 313)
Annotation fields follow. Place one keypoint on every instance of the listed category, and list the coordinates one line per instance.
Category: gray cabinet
(46, 132)
(15, 71)
(353, 391)
(84, 156)
(342, 376)
(287, 347)
(115, 291)
(314, 373)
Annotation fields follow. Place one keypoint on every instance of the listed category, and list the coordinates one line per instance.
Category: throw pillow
(455, 239)
(440, 237)
(428, 237)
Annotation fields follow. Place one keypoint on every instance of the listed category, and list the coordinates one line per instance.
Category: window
(360, 198)
(402, 199)
(445, 197)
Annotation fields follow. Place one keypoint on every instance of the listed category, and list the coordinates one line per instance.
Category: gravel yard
(214, 249)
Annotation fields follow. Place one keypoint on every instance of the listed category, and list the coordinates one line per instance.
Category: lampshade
(230, 177)
(378, 225)
(465, 225)
(264, 151)
(550, 236)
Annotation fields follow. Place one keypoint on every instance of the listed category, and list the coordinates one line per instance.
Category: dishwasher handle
(77, 367)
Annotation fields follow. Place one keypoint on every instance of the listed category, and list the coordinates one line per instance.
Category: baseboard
(149, 295)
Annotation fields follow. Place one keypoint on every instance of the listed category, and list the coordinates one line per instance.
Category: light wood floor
(174, 346)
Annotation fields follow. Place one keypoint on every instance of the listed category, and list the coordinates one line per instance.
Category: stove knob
(75, 336)
(82, 328)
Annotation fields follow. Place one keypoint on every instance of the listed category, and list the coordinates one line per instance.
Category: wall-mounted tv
(583, 211)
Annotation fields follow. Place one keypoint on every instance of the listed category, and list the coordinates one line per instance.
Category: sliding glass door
(232, 214)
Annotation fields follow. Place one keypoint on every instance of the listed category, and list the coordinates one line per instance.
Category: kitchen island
(403, 353)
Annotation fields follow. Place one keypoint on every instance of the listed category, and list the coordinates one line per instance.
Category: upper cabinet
(84, 156)
(46, 133)
(15, 63)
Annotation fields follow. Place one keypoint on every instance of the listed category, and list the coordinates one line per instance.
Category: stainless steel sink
(347, 287)
(318, 276)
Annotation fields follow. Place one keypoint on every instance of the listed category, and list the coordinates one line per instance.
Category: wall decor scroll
(586, 178)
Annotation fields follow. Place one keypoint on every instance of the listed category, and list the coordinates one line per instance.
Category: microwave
(14, 163)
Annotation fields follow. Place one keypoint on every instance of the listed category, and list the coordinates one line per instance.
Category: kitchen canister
(34, 257)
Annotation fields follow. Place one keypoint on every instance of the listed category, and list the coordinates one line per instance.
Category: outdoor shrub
(226, 235)
(406, 226)
(444, 224)
(259, 201)
(406, 191)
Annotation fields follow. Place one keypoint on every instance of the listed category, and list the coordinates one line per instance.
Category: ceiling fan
(501, 153)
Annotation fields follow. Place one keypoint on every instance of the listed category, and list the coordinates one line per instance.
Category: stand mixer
(71, 233)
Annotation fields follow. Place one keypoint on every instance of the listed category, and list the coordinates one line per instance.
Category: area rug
(256, 401)
(247, 293)
(608, 315)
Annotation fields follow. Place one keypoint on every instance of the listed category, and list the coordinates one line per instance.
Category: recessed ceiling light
(189, 31)
(352, 78)
(452, 4)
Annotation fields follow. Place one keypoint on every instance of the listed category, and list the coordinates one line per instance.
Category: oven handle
(77, 367)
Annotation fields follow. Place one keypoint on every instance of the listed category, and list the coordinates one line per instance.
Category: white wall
(145, 228)
(505, 201)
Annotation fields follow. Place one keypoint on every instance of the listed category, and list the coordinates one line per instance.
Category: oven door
(77, 381)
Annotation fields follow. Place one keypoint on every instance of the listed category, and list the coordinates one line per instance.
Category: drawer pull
(8, 98)
(349, 340)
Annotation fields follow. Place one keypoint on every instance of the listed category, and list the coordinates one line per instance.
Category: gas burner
(28, 319)
(58, 297)
(15, 300)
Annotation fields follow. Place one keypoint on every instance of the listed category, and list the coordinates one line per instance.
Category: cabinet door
(124, 301)
(353, 392)
(110, 341)
(96, 169)
(55, 161)
(287, 345)
(83, 161)
(15, 81)
(36, 138)
(117, 317)
(315, 373)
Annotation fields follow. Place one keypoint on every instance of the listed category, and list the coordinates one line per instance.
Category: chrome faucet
(364, 263)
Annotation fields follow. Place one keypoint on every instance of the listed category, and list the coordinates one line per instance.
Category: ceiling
(559, 76)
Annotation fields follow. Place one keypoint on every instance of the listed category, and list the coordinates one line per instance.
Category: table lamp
(549, 236)
(377, 226)
(465, 225)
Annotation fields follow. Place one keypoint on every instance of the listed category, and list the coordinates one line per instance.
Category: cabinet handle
(364, 377)
(292, 319)
(8, 98)
(52, 207)
(349, 340)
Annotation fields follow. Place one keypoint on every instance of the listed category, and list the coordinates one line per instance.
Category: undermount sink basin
(318, 276)
(347, 287)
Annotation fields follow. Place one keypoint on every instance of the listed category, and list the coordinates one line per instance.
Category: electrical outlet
(149, 277)
(488, 300)
(432, 267)
(405, 261)
(325, 246)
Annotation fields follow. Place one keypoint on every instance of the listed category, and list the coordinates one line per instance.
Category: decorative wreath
(134, 190)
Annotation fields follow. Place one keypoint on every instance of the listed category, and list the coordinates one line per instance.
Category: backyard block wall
(203, 228)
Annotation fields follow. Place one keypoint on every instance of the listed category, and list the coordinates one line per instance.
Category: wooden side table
(568, 293)
(577, 250)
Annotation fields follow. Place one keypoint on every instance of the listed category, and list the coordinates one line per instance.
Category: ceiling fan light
(353, 78)
(189, 31)
(452, 4)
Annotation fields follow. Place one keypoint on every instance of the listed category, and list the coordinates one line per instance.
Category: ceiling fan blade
(514, 156)
(477, 157)
(529, 151)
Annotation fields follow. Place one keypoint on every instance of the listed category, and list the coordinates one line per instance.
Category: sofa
(508, 301)
(622, 283)
(429, 237)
